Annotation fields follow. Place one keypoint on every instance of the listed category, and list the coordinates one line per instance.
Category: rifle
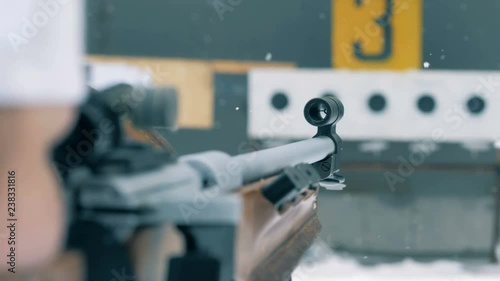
(244, 217)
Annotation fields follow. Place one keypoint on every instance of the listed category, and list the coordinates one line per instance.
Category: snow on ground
(323, 265)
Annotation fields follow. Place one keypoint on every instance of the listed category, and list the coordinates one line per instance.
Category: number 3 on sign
(377, 34)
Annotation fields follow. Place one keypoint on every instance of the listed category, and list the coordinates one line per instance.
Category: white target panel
(446, 106)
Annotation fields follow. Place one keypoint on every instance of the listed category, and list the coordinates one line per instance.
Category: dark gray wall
(292, 30)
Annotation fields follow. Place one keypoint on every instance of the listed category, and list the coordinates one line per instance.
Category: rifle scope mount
(301, 181)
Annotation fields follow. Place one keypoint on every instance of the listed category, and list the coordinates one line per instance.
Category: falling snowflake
(426, 64)
(269, 56)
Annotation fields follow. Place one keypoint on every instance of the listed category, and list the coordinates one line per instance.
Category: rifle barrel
(268, 162)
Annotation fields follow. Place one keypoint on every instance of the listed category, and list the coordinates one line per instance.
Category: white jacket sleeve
(41, 52)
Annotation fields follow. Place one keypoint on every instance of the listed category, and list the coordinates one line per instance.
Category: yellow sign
(377, 34)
